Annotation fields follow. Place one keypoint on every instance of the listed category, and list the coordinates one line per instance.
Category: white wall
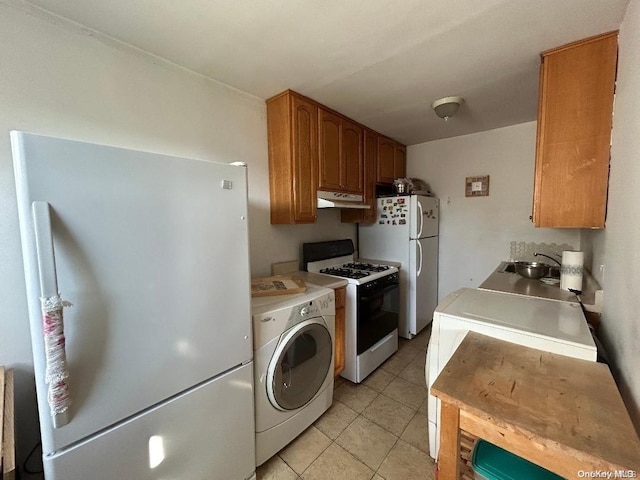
(618, 246)
(57, 78)
(475, 232)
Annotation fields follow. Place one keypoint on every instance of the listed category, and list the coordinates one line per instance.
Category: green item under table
(494, 463)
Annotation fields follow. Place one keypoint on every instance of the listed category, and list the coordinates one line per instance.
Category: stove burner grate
(369, 267)
(345, 272)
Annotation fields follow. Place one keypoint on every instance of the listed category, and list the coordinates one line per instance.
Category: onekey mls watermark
(607, 474)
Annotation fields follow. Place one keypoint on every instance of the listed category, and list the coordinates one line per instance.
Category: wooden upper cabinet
(400, 161)
(340, 151)
(352, 157)
(313, 148)
(370, 170)
(386, 160)
(574, 133)
(392, 160)
(292, 127)
(329, 150)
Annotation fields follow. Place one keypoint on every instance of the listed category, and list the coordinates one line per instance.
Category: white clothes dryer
(293, 339)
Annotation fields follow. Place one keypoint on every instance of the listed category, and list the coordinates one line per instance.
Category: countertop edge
(320, 279)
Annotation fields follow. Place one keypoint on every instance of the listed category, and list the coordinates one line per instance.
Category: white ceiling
(379, 62)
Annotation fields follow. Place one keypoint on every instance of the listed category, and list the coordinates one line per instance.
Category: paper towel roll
(571, 270)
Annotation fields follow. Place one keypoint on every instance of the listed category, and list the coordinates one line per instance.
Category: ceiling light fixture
(447, 107)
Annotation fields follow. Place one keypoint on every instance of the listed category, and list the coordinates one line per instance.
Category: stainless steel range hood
(340, 200)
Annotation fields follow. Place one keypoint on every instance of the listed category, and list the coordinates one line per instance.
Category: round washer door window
(299, 365)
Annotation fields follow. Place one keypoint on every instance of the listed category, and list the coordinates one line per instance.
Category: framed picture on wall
(477, 186)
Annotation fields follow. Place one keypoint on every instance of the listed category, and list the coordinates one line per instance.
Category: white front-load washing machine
(293, 339)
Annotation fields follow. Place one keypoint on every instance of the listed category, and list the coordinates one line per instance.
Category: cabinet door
(329, 151)
(370, 166)
(386, 160)
(352, 158)
(370, 144)
(305, 160)
(400, 161)
(574, 132)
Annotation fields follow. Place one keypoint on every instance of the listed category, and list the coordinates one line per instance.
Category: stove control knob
(304, 311)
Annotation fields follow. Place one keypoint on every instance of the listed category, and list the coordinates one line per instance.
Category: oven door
(378, 307)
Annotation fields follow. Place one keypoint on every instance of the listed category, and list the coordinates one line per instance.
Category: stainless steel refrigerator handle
(420, 218)
(420, 264)
(47, 272)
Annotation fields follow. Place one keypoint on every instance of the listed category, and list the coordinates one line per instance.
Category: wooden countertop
(321, 280)
(559, 412)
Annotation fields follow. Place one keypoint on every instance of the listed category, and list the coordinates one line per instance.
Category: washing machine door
(299, 365)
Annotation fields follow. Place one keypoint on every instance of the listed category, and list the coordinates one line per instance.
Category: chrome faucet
(550, 258)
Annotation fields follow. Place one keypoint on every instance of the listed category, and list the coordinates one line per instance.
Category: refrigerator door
(387, 238)
(152, 251)
(424, 216)
(203, 434)
(423, 283)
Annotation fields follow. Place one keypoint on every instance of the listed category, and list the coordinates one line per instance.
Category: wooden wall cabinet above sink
(575, 109)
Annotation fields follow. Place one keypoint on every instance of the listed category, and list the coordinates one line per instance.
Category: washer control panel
(270, 325)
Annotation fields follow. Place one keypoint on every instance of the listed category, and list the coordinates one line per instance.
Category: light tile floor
(374, 430)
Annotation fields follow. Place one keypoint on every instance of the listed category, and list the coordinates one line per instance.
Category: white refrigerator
(406, 231)
(148, 374)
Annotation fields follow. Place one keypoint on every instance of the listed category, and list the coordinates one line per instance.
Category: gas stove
(336, 258)
(368, 267)
(354, 272)
(344, 272)
(371, 308)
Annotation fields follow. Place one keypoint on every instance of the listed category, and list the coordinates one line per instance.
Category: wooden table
(561, 413)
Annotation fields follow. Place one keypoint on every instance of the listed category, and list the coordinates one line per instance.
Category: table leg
(448, 456)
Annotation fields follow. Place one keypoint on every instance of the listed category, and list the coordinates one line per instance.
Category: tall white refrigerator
(151, 375)
(406, 231)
